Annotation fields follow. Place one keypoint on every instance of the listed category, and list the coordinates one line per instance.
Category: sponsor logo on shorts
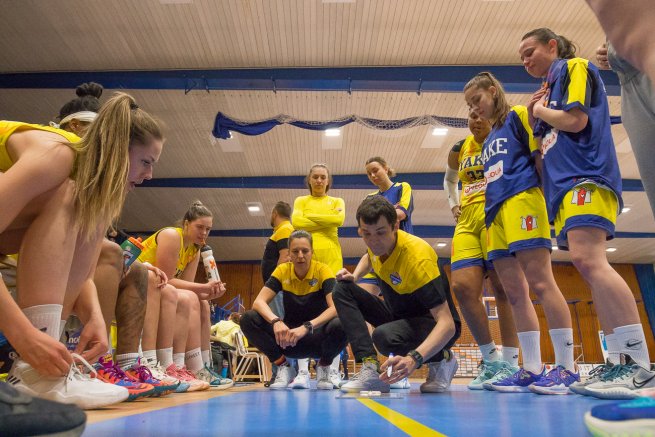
(494, 172)
(395, 278)
(529, 222)
(581, 196)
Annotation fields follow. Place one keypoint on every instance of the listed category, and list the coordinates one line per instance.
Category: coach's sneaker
(74, 388)
(487, 371)
(440, 374)
(622, 381)
(403, 384)
(595, 375)
(555, 382)
(506, 371)
(323, 378)
(301, 381)
(518, 382)
(335, 377)
(285, 374)
(23, 415)
(368, 379)
(214, 379)
(633, 418)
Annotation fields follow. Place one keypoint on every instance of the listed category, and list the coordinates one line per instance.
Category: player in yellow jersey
(57, 225)
(320, 215)
(177, 328)
(469, 264)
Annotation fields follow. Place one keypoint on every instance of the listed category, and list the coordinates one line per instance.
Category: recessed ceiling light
(332, 132)
(440, 131)
(442, 244)
(610, 249)
(555, 248)
(625, 209)
(255, 208)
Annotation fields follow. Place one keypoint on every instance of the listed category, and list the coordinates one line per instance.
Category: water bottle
(224, 369)
(132, 248)
(210, 264)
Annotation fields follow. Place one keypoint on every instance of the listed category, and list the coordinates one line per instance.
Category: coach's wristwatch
(275, 320)
(416, 357)
(309, 326)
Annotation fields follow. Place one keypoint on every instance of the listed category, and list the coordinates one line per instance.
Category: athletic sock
(529, 341)
(193, 360)
(632, 341)
(178, 359)
(165, 357)
(45, 318)
(613, 350)
(205, 358)
(562, 339)
(511, 355)
(150, 357)
(490, 352)
(127, 360)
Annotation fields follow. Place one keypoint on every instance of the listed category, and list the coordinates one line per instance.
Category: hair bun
(89, 89)
(197, 203)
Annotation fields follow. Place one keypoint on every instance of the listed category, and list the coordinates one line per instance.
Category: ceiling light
(255, 208)
(332, 132)
(555, 248)
(610, 249)
(442, 244)
(625, 209)
(440, 131)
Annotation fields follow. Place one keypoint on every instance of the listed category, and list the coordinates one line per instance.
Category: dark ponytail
(565, 48)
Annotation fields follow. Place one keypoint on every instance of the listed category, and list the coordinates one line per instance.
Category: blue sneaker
(556, 382)
(633, 418)
(518, 382)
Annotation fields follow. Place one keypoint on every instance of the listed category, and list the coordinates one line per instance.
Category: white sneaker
(301, 381)
(368, 379)
(323, 381)
(402, 384)
(622, 381)
(440, 375)
(335, 377)
(285, 374)
(74, 388)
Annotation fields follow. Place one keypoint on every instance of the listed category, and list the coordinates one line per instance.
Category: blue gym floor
(459, 412)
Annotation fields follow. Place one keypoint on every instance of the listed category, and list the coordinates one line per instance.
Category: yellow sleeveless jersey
(186, 255)
(7, 128)
(471, 171)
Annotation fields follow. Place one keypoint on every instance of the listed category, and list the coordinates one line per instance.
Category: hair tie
(133, 106)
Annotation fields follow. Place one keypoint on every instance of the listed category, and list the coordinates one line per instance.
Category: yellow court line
(410, 426)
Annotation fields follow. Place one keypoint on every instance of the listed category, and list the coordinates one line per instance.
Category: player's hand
(46, 355)
(601, 58)
(345, 275)
(457, 211)
(93, 340)
(537, 101)
(401, 367)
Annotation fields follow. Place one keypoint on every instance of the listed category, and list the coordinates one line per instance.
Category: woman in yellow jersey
(178, 334)
(58, 198)
(469, 255)
(320, 215)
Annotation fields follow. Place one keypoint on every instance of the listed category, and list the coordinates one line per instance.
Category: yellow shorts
(521, 223)
(469, 246)
(586, 205)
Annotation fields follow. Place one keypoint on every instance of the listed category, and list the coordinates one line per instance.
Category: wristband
(309, 326)
(275, 320)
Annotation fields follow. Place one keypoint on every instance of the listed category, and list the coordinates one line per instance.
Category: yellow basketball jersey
(471, 172)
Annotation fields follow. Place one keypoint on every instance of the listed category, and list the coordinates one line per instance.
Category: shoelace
(144, 373)
(599, 370)
(616, 372)
(76, 373)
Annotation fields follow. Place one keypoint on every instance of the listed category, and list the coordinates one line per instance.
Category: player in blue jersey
(582, 182)
(519, 238)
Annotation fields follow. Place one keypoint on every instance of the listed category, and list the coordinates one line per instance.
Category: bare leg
(107, 278)
(131, 309)
(467, 286)
(167, 315)
(151, 323)
(504, 309)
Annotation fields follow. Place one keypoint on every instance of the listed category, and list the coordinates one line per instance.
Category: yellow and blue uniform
(400, 195)
(7, 128)
(469, 246)
(278, 241)
(304, 299)
(321, 216)
(582, 181)
(410, 280)
(515, 209)
(185, 256)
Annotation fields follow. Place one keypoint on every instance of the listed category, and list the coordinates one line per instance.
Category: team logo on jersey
(581, 196)
(313, 282)
(529, 222)
(395, 278)
(494, 172)
(548, 141)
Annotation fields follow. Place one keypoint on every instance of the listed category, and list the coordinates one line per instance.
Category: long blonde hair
(103, 162)
(486, 80)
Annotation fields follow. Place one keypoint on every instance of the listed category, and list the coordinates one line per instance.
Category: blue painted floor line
(459, 412)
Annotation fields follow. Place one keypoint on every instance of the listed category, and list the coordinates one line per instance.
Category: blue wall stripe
(423, 231)
(443, 78)
(646, 279)
(418, 181)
